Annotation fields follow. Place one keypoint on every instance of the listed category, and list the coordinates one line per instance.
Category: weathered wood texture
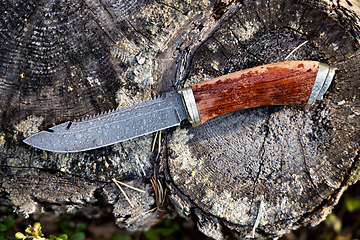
(296, 161)
(66, 60)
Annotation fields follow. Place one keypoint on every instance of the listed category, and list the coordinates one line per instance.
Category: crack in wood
(270, 15)
(302, 17)
(306, 167)
(243, 47)
(99, 24)
(241, 24)
(222, 47)
(258, 17)
(142, 34)
(262, 152)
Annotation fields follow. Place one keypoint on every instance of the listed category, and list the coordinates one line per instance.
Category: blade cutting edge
(113, 127)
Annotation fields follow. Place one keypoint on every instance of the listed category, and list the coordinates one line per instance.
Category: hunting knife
(295, 83)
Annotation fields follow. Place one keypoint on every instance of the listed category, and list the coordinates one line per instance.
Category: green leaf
(168, 231)
(352, 204)
(80, 227)
(116, 236)
(2, 227)
(65, 227)
(335, 222)
(19, 235)
(37, 225)
(2, 235)
(325, 236)
(8, 222)
(151, 234)
(77, 236)
(63, 237)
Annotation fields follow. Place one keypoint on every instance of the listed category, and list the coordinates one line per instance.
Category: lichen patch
(184, 161)
(29, 126)
(2, 139)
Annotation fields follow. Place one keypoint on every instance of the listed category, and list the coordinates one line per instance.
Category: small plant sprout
(31, 232)
(34, 233)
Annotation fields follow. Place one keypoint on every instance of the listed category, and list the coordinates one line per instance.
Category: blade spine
(112, 122)
(117, 110)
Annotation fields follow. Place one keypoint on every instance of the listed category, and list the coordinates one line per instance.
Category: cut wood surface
(61, 61)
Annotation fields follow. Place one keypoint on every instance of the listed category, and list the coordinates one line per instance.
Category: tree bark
(63, 61)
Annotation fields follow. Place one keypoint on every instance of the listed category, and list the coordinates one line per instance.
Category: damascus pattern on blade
(113, 127)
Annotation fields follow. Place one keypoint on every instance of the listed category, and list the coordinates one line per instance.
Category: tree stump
(283, 166)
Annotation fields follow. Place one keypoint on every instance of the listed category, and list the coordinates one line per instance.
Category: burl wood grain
(285, 83)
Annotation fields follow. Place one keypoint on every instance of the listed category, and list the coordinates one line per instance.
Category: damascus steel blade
(113, 127)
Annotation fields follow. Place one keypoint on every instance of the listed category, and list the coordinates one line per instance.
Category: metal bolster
(190, 106)
(323, 80)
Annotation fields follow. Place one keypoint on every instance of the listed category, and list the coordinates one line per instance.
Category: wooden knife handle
(285, 83)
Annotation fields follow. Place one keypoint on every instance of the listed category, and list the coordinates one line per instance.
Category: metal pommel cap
(323, 81)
